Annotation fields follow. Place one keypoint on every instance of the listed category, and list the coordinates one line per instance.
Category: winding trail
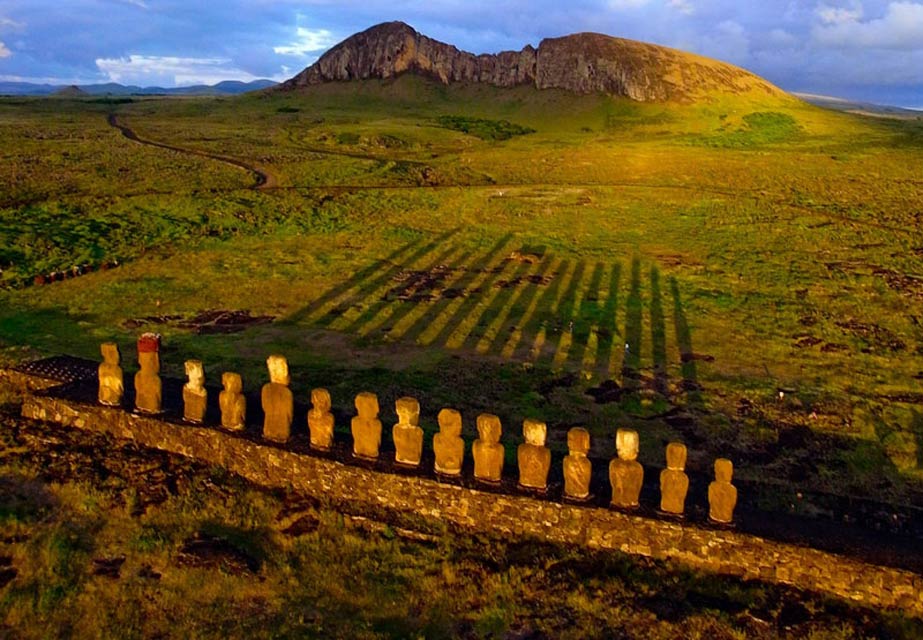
(262, 179)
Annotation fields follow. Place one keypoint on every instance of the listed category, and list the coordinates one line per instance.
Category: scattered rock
(108, 567)
(205, 550)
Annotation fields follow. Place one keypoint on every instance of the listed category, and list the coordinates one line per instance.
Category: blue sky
(860, 49)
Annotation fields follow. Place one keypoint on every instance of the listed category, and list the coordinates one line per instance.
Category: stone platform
(372, 489)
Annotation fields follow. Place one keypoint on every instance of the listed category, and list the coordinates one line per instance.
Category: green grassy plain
(738, 247)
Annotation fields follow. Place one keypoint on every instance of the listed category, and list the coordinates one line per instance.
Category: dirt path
(262, 179)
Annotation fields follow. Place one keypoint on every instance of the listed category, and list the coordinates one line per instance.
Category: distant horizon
(860, 50)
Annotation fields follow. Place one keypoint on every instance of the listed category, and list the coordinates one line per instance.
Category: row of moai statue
(626, 475)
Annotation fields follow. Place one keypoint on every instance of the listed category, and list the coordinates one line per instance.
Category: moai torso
(448, 444)
(278, 402)
(722, 495)
(487, 450)
(195, 396)
(674, 483)
(577, 467)
(148, 394)
(232, 402)
(111, 383)
(533, 456)
(320, 420)
(366, 427)
(626, 475)
(408, 436)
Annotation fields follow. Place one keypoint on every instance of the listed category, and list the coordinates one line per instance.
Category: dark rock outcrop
(584, 63)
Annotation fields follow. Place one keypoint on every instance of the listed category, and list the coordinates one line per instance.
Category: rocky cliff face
(582, 63)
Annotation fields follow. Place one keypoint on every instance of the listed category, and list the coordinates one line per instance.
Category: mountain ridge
(225, 87)
(582, 63)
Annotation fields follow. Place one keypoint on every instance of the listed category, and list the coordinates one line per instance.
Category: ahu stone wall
(363, 488)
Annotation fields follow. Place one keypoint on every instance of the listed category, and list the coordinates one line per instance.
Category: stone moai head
(196, 373)
(676, 456)
(578, 441)
(367, 405)
(320, 400)
(110, 352)
(534, 432)
(278, 369)
(724, 470)
(450, 422)
(232, 382)
(408, 411)
(626, 443)
(489, 428)
(149, 352)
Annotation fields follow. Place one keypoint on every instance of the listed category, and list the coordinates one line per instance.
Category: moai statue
(577, 467)
(148, 392)
(320, 420)
(232, 402)
(674, 483)
(195, 396)
(407, 434)
(278, 402)
(533, 456)
(626, 475)
(366, 427)
(111, 384)
(448, 444)
(722, 495)
(487, 450)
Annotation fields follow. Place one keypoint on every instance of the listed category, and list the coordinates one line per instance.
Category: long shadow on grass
(631, 365)
(441, 311)
(468, 304)
(658, 334)
(496, 307)
(540, 317)
(506, 344)
(684, 341)
(365, 288)
(563, 315)
(313, 309)
(608, 325)
(399, 298)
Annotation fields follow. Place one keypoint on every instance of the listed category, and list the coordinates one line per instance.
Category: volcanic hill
(583, 63)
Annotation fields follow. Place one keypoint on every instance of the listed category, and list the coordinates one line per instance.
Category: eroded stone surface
(487, 450)
(111, 381)
(195, 397)
(722, 495)
(232, 402)
(448, 444)
(533, 456)
(278, 402)
(366, 427)
(723, 552)
(320, 419)
(407, 434)
(674, 483)
(148, 388)
(626, 475)
(578, 469)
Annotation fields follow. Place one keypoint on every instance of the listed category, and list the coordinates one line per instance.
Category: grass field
(501, 251)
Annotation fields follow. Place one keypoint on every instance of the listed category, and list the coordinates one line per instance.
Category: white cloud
(10, 24)
(683, 6)
(137, 3)
(308, 41)
(782, 39)
(900, 28)
(170, 71)
(626, 4)
(4, 52)
(839, 15)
